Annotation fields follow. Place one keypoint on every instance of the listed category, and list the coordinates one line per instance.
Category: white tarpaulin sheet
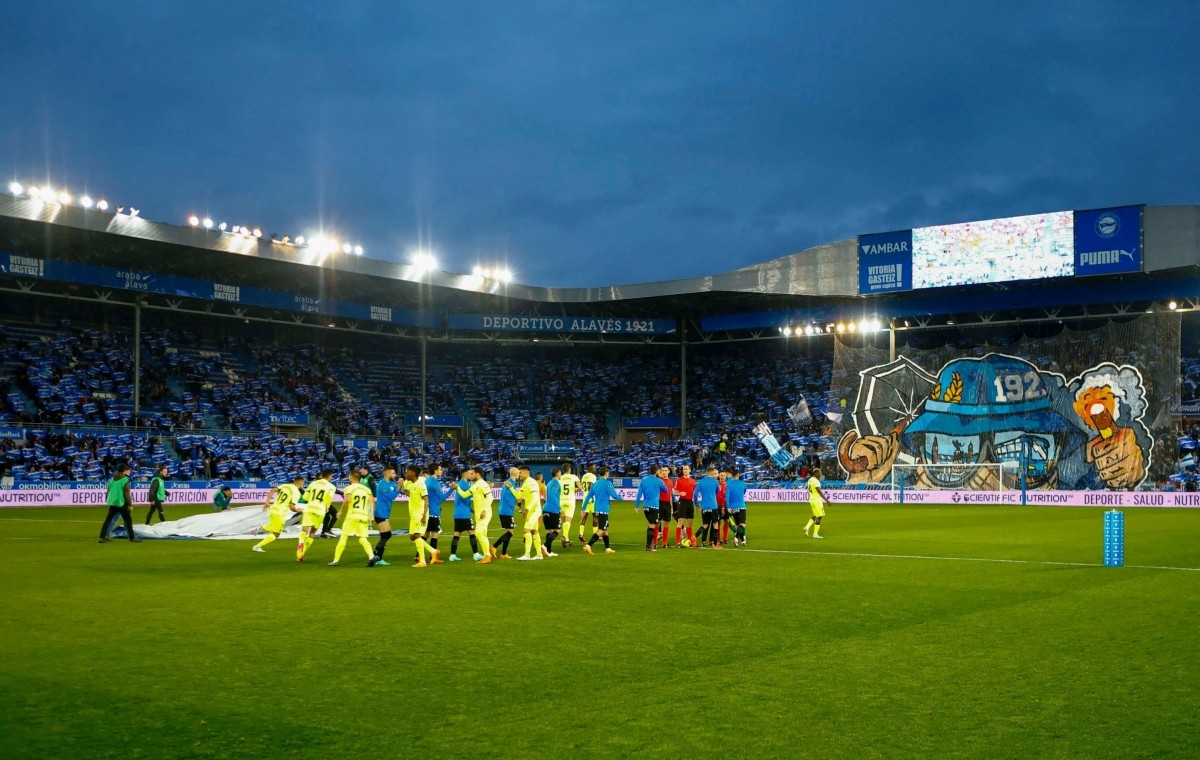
(232, 524)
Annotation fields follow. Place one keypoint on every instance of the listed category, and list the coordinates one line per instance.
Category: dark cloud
(599, 143)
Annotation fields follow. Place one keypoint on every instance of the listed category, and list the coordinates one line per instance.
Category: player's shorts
(274, 523)
(685, 509)
(312, 519)
(383, 513)
(533, 519)
(483, 516)
(665, 511)
(463, 524)
(507, 522)
(354, 528)
(551, 520)
(435, 524)
(708, 516)
(739, 516)
(818, 507)
(601, 520)
(568, 512)
(651, 515)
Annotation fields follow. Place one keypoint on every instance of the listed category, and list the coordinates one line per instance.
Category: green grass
(798, 647)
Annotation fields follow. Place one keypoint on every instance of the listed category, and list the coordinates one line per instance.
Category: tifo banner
(1108, 241)
(885, 262)
(1057, 410)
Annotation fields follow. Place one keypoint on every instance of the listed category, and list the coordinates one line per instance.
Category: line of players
(719, 495)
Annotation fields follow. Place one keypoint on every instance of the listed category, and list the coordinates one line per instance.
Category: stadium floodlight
(1173, 306)
(477, 271)
(810, 330)
(64, 198)
(86, 201)
(358, 250)
(424, 261)
(15, 188)
(505, 276)
(853, 326)
(194, 220)
(347, 248)
(786, 330)
(299, 240)
(35, 191)
(134, 212)
(257, 232)
(841, 327)
(102, 204)
(208, 223)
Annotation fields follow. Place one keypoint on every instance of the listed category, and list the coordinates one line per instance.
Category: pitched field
(907, 631)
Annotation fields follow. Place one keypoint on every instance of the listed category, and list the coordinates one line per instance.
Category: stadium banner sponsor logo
(17, 434)
(885, 262)
(285, 419)
(187, 287)
(95, 496)
(511, 323)
(1108, 241)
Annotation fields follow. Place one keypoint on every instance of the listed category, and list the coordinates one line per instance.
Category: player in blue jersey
(463, 513)
(600, 498)
(436, 496)
(386, 492)
(510, 490)
(552, 512)
(647, 497)
(706, 499)
(735, 505)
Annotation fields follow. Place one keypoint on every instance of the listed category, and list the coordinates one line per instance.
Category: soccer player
(531, 500)
(360, 505)
(816, 500)
(436, 497)
(735, 501)
(157, 494)
(600, 497)
(666, 509)
(587, 481)
(509, 496)
(221, 498)
(118, 499)
(648, 493)
(685, 507)
(317, 497)
(463, 512)
(706, 499)
(722, 510)
(386, 492)
(280, 501)
(418, 515)
(552, 513)
(481, 502)
(570, 486)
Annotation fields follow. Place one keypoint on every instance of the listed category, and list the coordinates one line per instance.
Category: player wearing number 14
(317, 499)
(359, 506)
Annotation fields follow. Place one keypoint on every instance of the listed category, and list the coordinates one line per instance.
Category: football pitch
(907, 631)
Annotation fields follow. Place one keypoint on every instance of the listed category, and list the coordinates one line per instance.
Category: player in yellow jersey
(281, 501)
(569, 482)
(816, 500)
(359, 504)
(319, 497)
(481, 504)
(531, 501)
(586, 482)
(418, 514)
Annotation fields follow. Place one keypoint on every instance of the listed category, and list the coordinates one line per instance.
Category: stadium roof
(819, 282)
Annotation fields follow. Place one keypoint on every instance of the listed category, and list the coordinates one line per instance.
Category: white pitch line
(962, 559)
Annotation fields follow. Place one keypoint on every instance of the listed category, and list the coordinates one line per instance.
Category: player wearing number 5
(359, 503)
